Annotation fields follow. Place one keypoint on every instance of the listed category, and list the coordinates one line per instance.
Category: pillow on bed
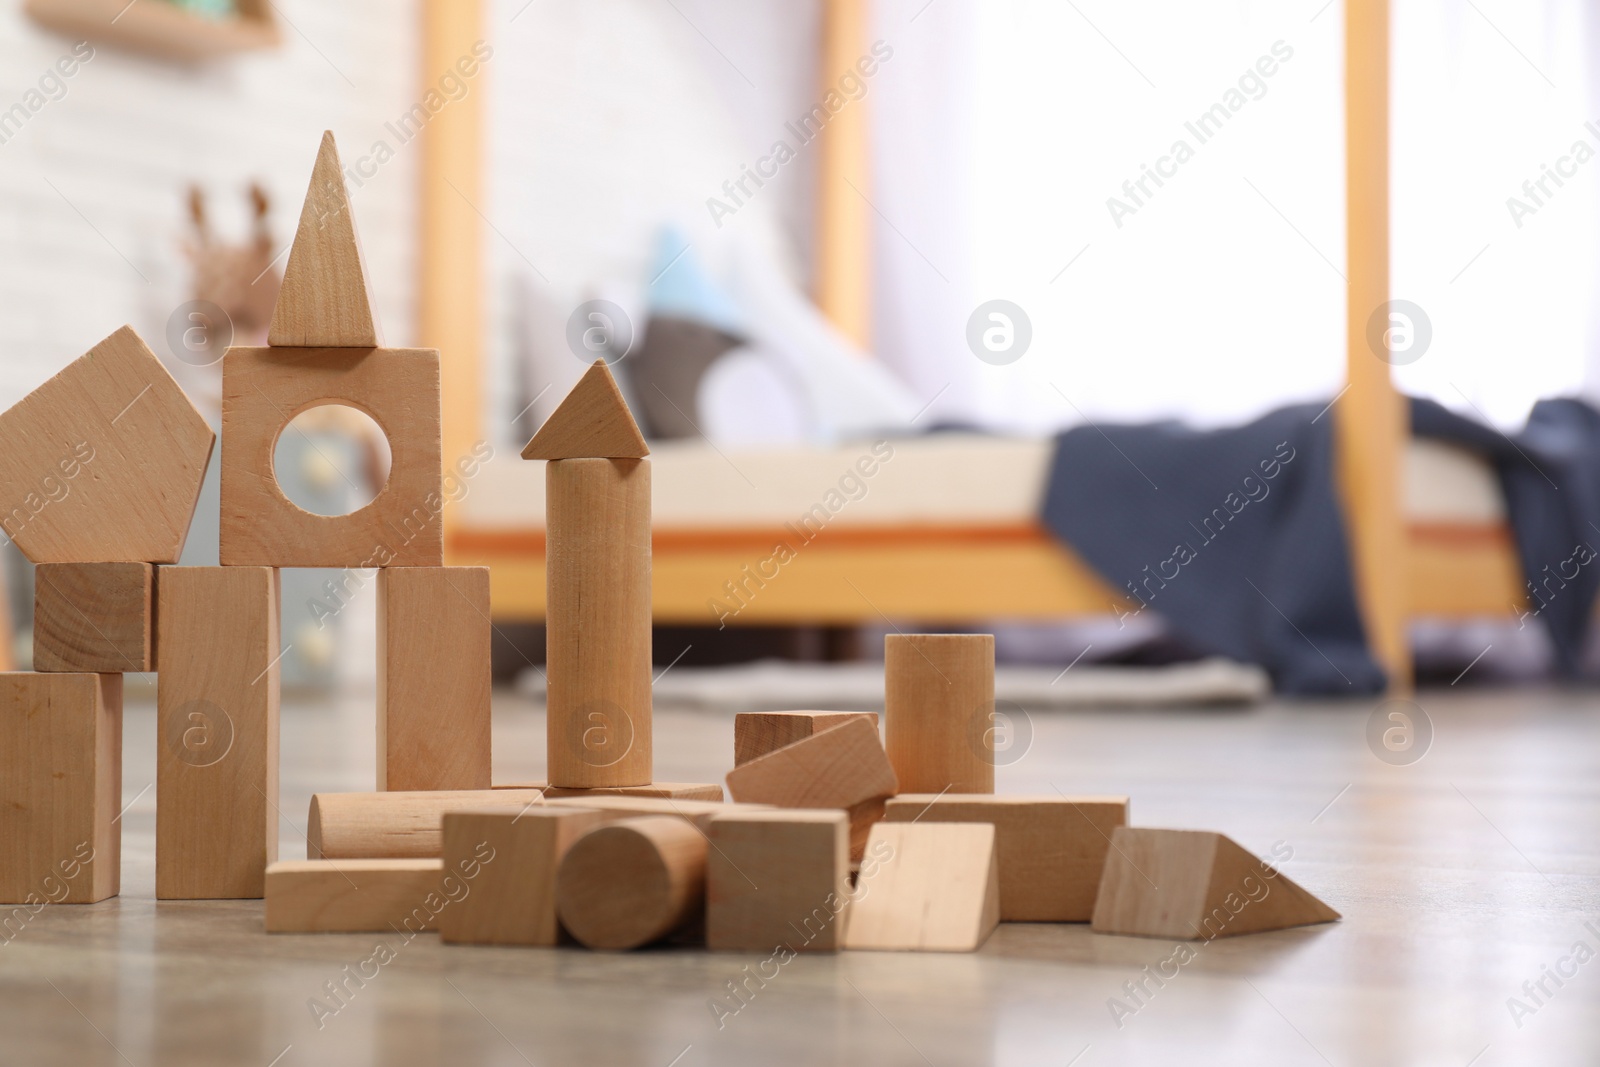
(666, 370)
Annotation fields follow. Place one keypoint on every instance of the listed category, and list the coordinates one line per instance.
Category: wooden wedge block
(777, 878)
(104, 461)
(96, 617)
(593, 422)
(632, 882)
(433, 678)
(217, 731)
(354, 896)
(926, 887)
(755, 733)
(1051, 849)
(513, 900)
(262, 389)
(325, 301)
(938, 709)
(710, 791)
(1193, 884)
(837, 768)
(60, 787)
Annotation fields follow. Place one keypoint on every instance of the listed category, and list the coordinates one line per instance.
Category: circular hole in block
(331, 459)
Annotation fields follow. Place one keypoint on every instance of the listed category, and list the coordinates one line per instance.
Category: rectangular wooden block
(60, 787)
(755, 733)
(938, 711)
(433, 678)
(1051, 850)
(354, 896)
(217, 731)
(662, 790)
(778, 878)
(837, 768)
(512, 901)
(96, 617)
(926, 887)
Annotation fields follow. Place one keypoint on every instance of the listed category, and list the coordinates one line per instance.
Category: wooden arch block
(593, 422)
(325, 301)
(104, 461)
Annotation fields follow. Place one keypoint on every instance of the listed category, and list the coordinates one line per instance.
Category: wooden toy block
(592, 422)
(354, 896)
(104, 461)
(60, 787)
(926, 887)
(217, 731)
(325, 301)
(1192, 884)
(96, 617)
(632, 882)
(661, 790)
(1051, 850)
(837, 768)
(262, 389)
(513, 899)
(777, 878)
(433, 678)
(755, 733)
(938, 708)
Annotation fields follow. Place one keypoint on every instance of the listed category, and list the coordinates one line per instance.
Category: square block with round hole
(263, 389)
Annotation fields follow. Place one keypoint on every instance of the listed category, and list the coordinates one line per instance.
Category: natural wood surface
(94, 617)
(103, 461)
(926, 887)
(397, 825)
(632, 882)
(217, 757)
(938, 710)
(1051, 849)
(262, 389)
(844, 191)
(512, 898)
(353, 896)
(325, 301)
(597, 636)
(777, 878)
(433, 678)
(164, 30)
(711, 791)
(755, 733)
(591, 422)
(60, 788)
(836, 768)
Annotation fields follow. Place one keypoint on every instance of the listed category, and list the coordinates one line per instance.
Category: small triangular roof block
(1192, 884)
(325, 301)
(593, 422)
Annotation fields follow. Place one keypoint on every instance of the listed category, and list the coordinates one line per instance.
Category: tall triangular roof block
(1190, 884)
(593, 422)
(325, 301)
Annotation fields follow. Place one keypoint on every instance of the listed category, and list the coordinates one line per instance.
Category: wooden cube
(507, 862)
(926, 887)
(96, 617)
(755, 733)
(354, 896)
(778, 878)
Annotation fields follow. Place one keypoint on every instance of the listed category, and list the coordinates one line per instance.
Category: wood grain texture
(353, 896)
(843, 274)
(711, 791)
(1192, 885)
(433, 678)
(698, 812)
(837, 768)
(755, 733)
(217, 731)
(938, 709)
(262, 389)
(926, 887)
(632, 882)
(591, 422)
(597, 636)
(1051, 850)
(512, 900)
(103, 461)
(60, 788)
(325, 301)
(777, 878)
(96, 617)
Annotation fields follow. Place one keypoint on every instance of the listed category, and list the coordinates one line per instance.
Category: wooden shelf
(158, 28)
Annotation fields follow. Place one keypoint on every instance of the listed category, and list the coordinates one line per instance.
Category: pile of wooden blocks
(833, 839)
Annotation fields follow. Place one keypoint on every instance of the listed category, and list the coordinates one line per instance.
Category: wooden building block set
(832, 837)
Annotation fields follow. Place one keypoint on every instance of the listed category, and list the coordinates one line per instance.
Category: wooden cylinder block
(632, 882)
(938, 708)
(598, 621)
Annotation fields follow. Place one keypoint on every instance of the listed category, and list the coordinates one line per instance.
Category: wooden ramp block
(592, 422)
(778, 878)
(96, 617)
(60, 787)
(513, 899)
(1192, 884)
(934, 888)
(632, 882)
(104, 461)
(938, 711)
(325, 301)
(1051, 850)
(837, 768)
(433, 678)
(755, 733)
(353, 896)
(217, 731)
(660, 790)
